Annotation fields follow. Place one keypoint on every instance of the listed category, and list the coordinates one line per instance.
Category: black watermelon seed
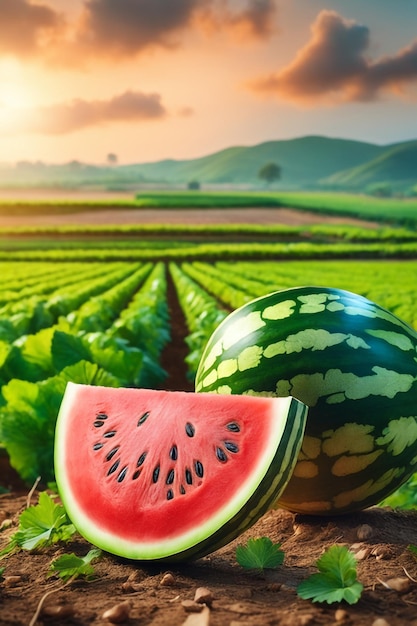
(155, 474)
(233, 427)
(143, 419)
(170, 494)
(136, 474)
(109, 434)
(188, 477)
(189, 429)
(98, 423)
(199, 470)
(173, 453)
(232, 447)
(182, 490)
(113, 467)
(122, 474)
(141, 459)
(221, 455)
(111, 454)
(98, 446)
(170, 477)
(101, 416)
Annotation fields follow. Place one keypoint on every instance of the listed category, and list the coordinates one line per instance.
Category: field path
(116, 216)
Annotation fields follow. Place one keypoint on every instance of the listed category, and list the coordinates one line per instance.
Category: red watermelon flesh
(151, 474)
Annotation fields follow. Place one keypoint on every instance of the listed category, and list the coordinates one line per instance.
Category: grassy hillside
(395, 166)
(311, 162)
(303, 161)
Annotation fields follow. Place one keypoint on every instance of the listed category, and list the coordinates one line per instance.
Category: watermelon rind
(353, 362)
(225, 519)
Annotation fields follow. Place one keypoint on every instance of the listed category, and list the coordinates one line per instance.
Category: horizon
(81, 80)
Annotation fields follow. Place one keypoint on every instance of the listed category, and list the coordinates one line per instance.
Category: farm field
(144, 321)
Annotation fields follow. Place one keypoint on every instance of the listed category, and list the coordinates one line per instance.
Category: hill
(395, 167)
(303, 161)
(311, 162)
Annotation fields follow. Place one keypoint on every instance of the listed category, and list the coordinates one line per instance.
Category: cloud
(79, 114)
(132, 25)
(334, 65)
(251, 19)
(24, 27)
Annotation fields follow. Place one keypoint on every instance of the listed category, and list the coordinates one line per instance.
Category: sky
(146, 80)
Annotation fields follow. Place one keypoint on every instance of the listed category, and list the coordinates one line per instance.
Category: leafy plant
(70, 566)
(413, 549)
(41, 525)
(336, 580)
(260, 554)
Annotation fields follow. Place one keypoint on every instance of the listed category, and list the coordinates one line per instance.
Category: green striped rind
(353, 362)
(269, 489)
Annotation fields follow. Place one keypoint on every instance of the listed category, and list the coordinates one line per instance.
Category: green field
(94, 304)
(390, 210)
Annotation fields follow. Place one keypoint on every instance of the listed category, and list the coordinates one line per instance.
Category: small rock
(364, 532)
(6, 523)
(190, 606)
(58, 611)
(362, 554)
(131, 587)
(400, 584)
(341, 615)
(381, 552)
(118, 613)
(12, 581)
(167, 580)
(306, 619)
(198, 619)
(203, 596)
(380, 621)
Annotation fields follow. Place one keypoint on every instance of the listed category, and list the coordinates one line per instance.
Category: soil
(163, 595)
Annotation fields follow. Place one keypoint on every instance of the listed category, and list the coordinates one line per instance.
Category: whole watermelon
(353, 363)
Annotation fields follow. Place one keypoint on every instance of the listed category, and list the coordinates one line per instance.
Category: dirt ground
(237, 597)
(161, 595)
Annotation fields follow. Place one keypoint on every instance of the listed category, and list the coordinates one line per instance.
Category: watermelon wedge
(160, 475)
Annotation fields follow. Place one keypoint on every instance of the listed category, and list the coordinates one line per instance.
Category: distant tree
(112, 158)
(193, 185)
(270, 172)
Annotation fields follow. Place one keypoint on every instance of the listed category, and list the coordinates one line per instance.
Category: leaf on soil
(72, 566)
(260, 554)
(336, 581)
(42, 524)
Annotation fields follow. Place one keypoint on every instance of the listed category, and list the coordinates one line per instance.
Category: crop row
(76, 322)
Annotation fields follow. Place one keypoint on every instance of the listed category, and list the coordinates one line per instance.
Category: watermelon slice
(161, 475)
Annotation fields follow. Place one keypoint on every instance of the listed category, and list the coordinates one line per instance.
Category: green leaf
(27, 420)
(336, 580)
(42, 524)
(413, 549)
(260, 554)
(72, 566)
(68, 349)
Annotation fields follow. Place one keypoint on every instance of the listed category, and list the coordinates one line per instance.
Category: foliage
(336, 580)
(41, 525)
(270, 172)
(260, 554)
(71, 566)
(405, 497)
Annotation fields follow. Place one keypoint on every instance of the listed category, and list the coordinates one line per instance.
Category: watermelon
(160, 475)
(353, 363)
